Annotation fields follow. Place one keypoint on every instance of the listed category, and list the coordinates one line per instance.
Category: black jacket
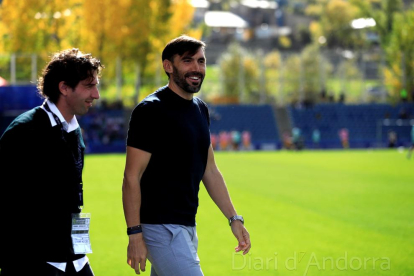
(38, 187)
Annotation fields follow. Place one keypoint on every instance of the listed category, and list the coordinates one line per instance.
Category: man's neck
(180, 92)
(68, 116)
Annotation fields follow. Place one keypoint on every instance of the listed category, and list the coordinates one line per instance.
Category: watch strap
(237, 217)
(134, 230)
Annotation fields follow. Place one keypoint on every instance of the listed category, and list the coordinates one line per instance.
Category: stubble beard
(183, 84)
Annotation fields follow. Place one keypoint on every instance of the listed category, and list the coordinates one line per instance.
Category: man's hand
(243, 237)
(137, 253)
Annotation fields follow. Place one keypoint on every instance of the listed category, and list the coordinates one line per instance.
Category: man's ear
(63, 88)
(168, 67)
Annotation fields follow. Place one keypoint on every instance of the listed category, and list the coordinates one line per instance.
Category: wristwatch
(236, 218)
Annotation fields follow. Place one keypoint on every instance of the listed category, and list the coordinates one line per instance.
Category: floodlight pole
(302, 80)
(363, 68)
(118, 78)
(241, 80)
(13, 68)
(281, 80)
(321, 72)
(404, 69)
(137, 84)
(158, 75)
(34, 68)
(262, 79)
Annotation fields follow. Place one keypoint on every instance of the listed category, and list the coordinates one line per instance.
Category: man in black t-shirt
(168, 153)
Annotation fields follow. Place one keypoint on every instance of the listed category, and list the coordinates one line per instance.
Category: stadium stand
(15, 100)
(18, 97)
(366, 123)
(259, 120)
(104, 130)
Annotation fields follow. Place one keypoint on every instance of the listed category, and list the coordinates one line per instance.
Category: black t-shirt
(176, 133)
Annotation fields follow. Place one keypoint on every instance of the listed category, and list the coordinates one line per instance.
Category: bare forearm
(131, 199)
(217, 189)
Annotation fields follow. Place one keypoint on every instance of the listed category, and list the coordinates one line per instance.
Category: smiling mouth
(195, 79)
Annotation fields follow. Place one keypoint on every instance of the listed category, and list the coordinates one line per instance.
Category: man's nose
(197, 67)
(95, 93)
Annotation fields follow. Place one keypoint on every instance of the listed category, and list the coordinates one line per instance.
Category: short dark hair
(180, 46)
(70, 66)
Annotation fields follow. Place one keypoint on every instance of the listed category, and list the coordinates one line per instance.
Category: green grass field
(308, 213)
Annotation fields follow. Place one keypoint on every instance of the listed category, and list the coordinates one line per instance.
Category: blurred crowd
(104, 125)
(233, 140)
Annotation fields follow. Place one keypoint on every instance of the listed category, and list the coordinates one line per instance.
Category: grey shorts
(172, 249)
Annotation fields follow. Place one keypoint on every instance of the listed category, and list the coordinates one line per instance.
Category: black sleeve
(18, 193)
(142, 129)
(206, 112)
(15, 150)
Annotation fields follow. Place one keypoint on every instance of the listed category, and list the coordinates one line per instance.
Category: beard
(180, 80)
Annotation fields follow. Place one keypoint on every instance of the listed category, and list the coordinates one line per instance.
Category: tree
(348, 73)
(38, 26)
(134, 32)
(399, 74)
(273, 69)
(394, 26)
(292, 78)
(303, 77)
(383, 12)
(240, 71)
(333, 21)
(127, 33)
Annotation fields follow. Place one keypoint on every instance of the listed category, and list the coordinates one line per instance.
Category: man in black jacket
(41, 162)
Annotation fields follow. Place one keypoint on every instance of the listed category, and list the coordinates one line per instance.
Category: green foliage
(273, 73)
(394, 26)
(400, 55)
(289, 78)
(303, 75)
(333, 18)
(134, 31)
(292, 78)
(211, 88)
(239, 69)
(354, 88)
(311, 62)
(383, 11)
(348, 71)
